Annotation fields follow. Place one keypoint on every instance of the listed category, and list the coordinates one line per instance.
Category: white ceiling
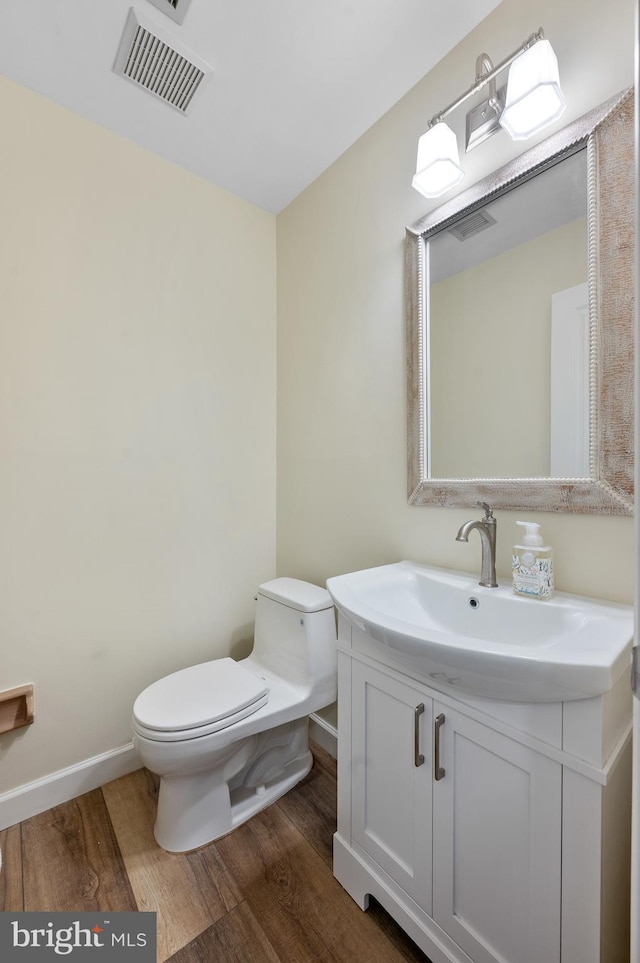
(295, 83)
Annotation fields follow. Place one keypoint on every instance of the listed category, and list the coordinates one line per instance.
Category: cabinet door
(497, 835)
(391, 800)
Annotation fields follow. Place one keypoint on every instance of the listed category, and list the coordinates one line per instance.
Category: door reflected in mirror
(508, 332)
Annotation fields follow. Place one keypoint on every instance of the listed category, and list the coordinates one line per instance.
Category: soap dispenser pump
(532, 564)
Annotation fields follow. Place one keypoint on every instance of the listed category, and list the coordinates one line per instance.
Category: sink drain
(474, 603)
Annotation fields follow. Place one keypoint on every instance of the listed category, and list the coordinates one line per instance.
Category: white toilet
(228, 738)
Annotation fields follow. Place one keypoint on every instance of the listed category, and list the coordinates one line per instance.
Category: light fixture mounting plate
(483, 121)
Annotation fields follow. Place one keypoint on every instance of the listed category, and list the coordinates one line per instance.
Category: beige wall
(341, 354)
(137, 390)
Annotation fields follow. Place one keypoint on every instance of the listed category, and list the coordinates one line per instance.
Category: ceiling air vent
(158, 64)
(176, 9)
(472, 224)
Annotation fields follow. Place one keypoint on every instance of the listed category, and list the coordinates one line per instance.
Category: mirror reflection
(507, 340)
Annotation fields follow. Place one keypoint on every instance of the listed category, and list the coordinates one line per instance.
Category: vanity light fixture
(534, 97)
(438, 168)
(531, 100)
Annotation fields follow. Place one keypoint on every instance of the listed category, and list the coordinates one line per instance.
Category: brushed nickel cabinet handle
(438, 770)
(418, 758)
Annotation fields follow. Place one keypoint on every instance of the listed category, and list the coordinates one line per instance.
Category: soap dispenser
(532, 564)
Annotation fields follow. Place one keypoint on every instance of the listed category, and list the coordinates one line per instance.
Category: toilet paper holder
(16, 708)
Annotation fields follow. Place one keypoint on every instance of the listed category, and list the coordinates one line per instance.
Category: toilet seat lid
(200, 695)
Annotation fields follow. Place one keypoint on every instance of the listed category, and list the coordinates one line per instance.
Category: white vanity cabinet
(496, 844)
(392, 800)
(471, 828)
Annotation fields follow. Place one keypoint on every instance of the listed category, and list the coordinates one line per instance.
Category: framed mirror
(520, 329)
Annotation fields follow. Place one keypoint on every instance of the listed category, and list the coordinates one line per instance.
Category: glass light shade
(438, 168)
(534, 97)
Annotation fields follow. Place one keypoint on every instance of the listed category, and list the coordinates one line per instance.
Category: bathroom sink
(488, 641)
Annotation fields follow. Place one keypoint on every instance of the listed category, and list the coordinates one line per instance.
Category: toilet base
(198, 808)
(247, 802)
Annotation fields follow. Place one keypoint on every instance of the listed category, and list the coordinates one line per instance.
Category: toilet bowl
(228, 738)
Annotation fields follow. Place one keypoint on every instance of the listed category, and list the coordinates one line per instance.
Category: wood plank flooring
(263, 894)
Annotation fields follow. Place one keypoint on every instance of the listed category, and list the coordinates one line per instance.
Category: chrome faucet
(487, 532)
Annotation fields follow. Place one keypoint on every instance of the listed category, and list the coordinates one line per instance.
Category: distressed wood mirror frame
(608, 132)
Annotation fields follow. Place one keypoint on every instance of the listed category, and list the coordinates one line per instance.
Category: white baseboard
(40, 795)
(59, 787)
(324, 734)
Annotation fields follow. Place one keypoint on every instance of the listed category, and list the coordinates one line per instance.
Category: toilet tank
(295, 633)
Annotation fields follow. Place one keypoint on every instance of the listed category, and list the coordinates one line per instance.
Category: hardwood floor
(263, 894)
